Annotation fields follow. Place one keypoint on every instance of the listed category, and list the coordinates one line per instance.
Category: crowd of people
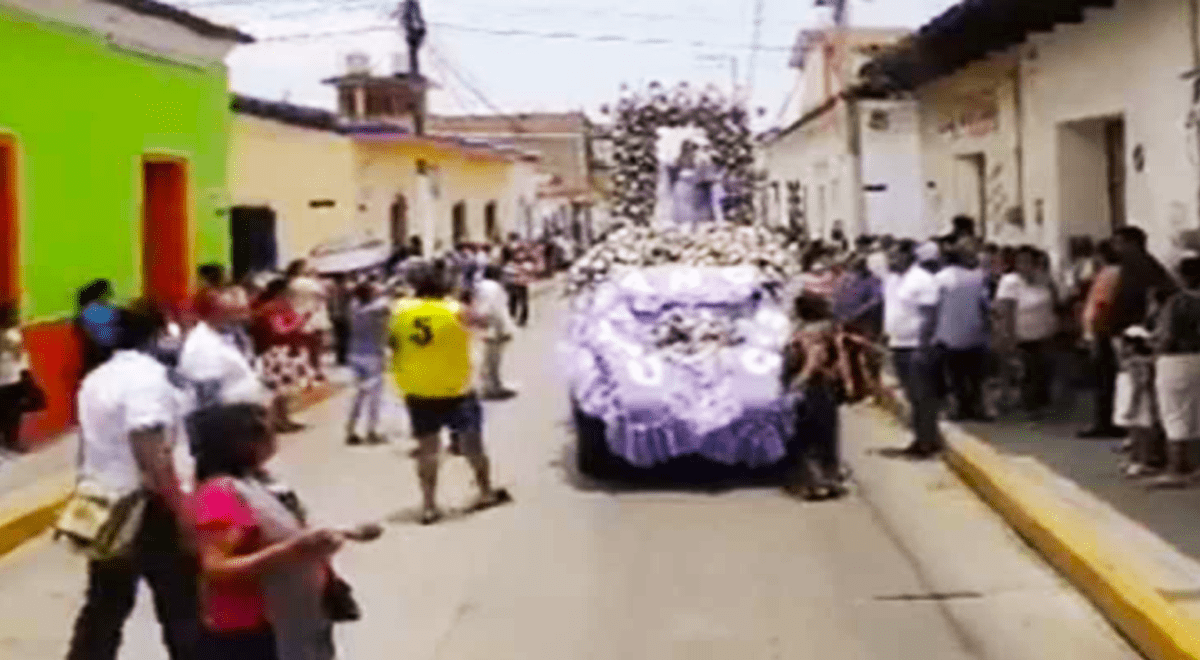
(977, 331)
(179, 412)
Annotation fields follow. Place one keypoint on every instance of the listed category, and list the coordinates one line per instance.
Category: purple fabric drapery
(723, 402)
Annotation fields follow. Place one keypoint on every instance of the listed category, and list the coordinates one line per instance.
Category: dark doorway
(165, 268)
(458, 218)
(491, 228)
(9, 227)
(252, 234)
(1114, 144)
(971, 189)
(399, 222)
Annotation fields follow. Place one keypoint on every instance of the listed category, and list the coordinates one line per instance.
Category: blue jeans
(919, 378)
(368, 382)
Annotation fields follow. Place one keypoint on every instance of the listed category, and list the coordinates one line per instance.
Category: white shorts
(1177, 380)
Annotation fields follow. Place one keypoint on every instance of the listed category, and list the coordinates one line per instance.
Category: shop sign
(975, 116)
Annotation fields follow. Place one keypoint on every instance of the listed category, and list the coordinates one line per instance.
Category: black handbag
(339, 601)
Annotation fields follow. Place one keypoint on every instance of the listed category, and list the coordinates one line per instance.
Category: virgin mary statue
(687, 188)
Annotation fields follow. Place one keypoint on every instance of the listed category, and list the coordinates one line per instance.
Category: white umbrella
(349, 255)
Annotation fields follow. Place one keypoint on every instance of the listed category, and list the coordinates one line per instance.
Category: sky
(536, 55)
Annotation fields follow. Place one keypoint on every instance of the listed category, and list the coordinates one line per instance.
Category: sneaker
(354, 440)
(376, 439)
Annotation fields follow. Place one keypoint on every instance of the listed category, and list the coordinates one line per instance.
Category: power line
(474, 90)
(508, 9)
(353, 6)
(563, 35)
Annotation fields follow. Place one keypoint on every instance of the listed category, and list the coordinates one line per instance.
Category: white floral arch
(635, 140)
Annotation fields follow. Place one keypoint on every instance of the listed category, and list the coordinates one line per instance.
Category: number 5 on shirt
(424, 333)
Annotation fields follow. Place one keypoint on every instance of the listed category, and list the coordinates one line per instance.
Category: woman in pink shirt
(265, 574)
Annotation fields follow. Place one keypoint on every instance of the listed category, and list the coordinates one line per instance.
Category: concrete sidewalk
(1125, 548)
(1095, 466)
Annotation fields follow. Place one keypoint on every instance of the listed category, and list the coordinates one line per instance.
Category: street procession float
(678, 317)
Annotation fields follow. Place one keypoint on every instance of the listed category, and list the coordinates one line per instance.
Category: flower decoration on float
(639, 116)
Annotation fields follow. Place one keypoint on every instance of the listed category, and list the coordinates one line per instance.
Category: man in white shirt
(128, 422)
(492, 303)
(910, 319)
(215, 369)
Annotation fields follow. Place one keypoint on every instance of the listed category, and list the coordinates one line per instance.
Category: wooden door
(1114, 145)
(459, 222)
(253, 244)
(9, 227)
(165, 244)
(491, 227)
(399, 222)
(970, 189)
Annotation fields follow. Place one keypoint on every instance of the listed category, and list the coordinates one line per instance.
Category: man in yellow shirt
(431, 342)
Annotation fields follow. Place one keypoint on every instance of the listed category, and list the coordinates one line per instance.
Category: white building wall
(891, 171)
(969, 147)
(817, 156)
(1121, 62)
(1124, 63)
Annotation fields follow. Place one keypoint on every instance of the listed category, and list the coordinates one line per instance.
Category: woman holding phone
(266, 576)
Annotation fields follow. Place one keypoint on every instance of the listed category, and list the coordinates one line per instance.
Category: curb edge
(1144, 616)
(30, 515)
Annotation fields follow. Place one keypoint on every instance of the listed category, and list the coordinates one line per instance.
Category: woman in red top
(282, 348)
(245, 557)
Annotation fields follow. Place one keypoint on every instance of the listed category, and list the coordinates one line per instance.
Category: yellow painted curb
(1094, 565)
(1158, 628)
(26, 514)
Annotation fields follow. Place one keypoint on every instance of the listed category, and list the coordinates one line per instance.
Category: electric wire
(561, 35)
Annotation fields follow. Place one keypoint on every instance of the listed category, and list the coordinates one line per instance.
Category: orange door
(9, 233)
(165, 232)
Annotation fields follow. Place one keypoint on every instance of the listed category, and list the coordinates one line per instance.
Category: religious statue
(689, 187)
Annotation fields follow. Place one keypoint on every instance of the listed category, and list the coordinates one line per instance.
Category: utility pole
(755, 44)
(415, 31)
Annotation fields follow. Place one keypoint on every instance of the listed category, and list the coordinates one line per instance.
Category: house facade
(567, 192)
(113, 133)
(843, 160)
(1069, 118)
(302, 178)
(291, 183)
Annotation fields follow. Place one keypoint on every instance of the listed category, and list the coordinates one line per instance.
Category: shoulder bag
(97, 521)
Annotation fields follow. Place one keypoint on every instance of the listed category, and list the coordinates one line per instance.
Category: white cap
(928, 251)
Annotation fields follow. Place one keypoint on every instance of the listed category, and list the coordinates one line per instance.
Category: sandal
(430, 516)
(498, 497)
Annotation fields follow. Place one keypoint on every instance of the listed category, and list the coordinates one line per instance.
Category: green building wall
(83, 115)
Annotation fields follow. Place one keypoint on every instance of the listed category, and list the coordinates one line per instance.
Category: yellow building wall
(388, 168)
(286, 167)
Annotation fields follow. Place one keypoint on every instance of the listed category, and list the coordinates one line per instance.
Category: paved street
(912, 565)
